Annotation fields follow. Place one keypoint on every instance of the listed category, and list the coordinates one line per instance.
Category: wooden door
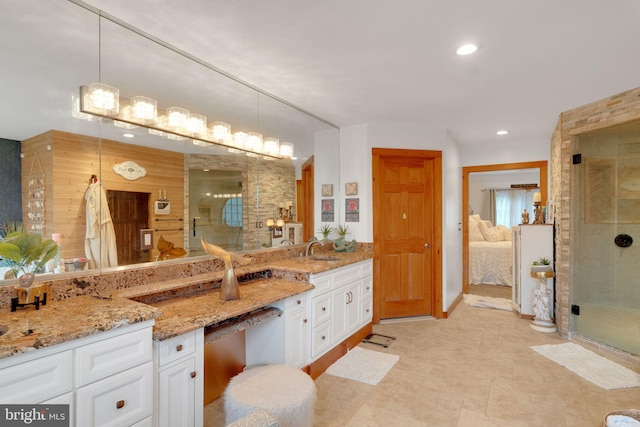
(130, 214)
(407, 203)
(306, 208)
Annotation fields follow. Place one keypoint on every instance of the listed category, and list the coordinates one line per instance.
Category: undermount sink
(324, 258)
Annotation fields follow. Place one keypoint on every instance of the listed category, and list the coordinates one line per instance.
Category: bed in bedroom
(490, 253)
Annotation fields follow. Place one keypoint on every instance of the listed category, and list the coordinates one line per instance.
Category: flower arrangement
(542, 261)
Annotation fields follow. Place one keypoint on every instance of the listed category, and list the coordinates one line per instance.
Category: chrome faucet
(286, 242)
(308, 249)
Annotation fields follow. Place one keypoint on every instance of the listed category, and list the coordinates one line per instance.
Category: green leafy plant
(26, 252)
(542, 261)
(325, 230)
(342, 230)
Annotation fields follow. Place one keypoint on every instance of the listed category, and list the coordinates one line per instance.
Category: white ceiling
(377, 61)
(349, 62)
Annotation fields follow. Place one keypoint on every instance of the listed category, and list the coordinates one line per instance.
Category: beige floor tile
(475, 368)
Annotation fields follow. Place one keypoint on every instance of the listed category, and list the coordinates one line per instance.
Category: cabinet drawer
(320, 309)
(296, 302)
(366, 311)
(366, 287)
(367, 268)
(321, 283)
(120, 400)
(176, 347)
(320, 339)
(346, 275)
(36, 380)
(104, 358)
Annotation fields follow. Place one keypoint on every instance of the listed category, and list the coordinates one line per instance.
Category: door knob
(427, 246)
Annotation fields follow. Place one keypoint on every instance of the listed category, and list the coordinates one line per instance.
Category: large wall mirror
(180, 189)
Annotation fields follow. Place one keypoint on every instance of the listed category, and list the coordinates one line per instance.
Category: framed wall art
(327, 210)
(352, 210)
(351, 188)
(327, 190)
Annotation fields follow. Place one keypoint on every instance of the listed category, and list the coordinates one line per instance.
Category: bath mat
(487, 302)
(590, 366)
(366, 366)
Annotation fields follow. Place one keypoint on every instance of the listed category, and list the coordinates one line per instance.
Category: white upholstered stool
(286, 392)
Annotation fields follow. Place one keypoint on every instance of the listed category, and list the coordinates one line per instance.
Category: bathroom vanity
(137, 358)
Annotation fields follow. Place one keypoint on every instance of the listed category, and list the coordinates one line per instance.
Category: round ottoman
(286, 392)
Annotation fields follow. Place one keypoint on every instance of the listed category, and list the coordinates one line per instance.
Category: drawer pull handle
(193, 374)
(120, 404)
(368, 287)
(324, 308)
(323, 338)
(179, 347)
(305, 320)
(299, 302)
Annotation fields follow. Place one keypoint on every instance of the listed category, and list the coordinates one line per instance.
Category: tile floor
(474, 369)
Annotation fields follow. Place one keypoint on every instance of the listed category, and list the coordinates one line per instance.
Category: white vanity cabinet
(107, 378)
(180, 380)
(297, 328)
(284, 338)
(341, 304)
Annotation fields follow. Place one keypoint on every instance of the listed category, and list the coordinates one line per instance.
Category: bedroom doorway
(542, 179)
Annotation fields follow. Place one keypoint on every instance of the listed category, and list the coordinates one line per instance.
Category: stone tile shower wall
(617, 109)
(268, 181)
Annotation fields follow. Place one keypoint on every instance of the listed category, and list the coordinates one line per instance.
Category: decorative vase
(26, 279)
(341, 245)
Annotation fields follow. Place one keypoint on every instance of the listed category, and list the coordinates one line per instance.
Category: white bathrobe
(100, 242)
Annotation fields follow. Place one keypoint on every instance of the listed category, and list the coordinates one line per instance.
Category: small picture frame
(327, 190)
(351, 188)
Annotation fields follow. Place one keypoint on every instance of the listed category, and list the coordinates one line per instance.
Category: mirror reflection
(157, 187)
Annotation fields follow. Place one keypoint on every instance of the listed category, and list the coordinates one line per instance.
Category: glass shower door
(606, 237)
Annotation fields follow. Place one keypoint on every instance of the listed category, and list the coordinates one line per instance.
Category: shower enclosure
(605, 297)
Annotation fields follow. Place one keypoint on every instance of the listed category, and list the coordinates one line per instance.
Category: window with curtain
(511, 202)
(232, 212)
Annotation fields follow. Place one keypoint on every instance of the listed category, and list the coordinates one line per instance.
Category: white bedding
(490, 263)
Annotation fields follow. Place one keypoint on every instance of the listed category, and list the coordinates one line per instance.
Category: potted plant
(325, 230)
(543, 264)
(342, 231)
(26, 253)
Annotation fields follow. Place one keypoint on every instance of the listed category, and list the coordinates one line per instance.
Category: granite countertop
(184, 314)
(178, 306)
(311, 266)
(62, 321)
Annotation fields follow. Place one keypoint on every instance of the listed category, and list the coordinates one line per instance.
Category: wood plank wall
(68, 166)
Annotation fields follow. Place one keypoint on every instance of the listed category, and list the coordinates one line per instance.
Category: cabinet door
(353, 307)
(176, 394)
(297, 338)
(340, 299)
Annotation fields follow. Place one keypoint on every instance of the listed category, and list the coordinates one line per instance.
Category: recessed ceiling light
(502, 132)
(467, 49)
(128, 135)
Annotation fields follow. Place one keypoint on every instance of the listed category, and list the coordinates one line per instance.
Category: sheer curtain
(510, 203)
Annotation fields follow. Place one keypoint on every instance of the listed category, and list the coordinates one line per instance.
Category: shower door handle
(194, 225)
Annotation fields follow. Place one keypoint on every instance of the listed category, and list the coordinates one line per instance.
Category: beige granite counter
(68, 320)
(184, 314)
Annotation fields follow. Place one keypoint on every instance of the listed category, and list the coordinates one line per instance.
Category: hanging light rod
(193, 58)
(104, 101)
